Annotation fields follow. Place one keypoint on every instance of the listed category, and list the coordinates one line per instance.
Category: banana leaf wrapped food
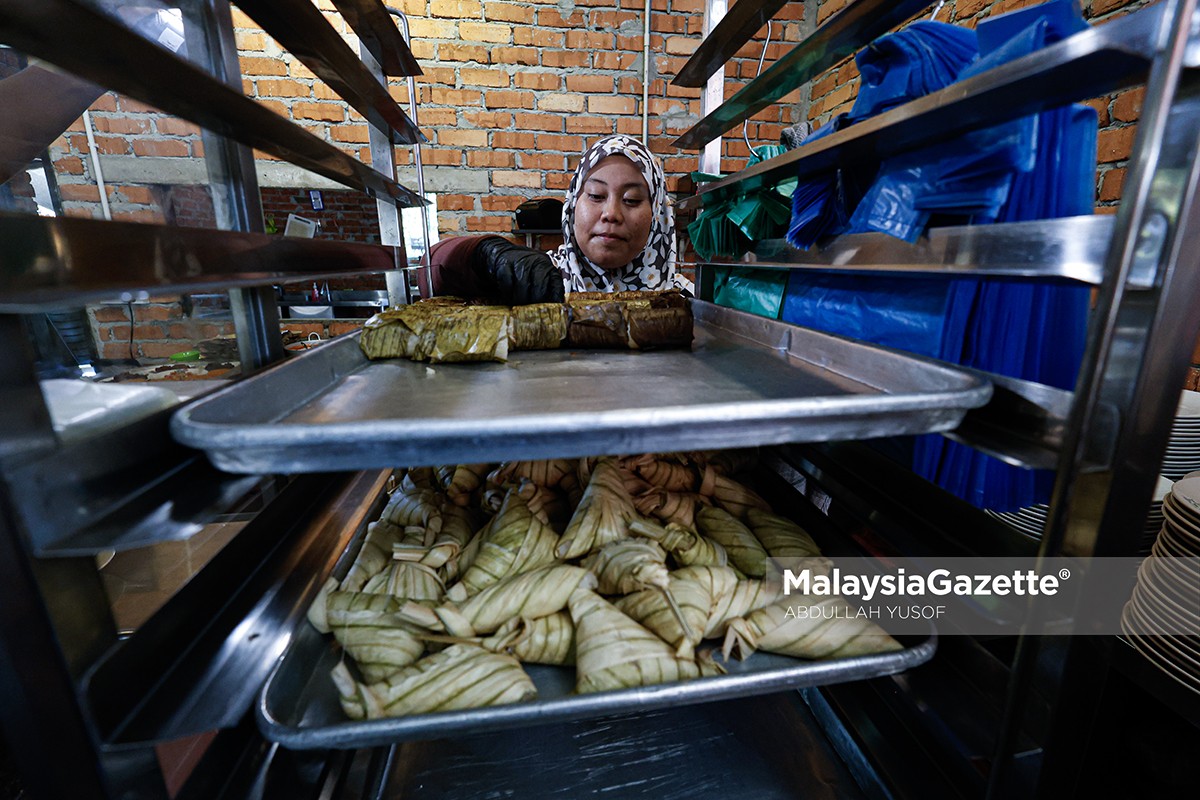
(629, 565)
(539, 326)
(603, 515)
(829, 628)
(745, 551)
(687, 547)
(370, 630)
(543, 640)
(442, 333)
(516, 540)
(618, 321)
(461, 676)
(614, 652)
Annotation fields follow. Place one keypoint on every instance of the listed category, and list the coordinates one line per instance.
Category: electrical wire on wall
(762, 57)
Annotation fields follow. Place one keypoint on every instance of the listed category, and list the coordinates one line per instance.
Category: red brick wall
(347, 216)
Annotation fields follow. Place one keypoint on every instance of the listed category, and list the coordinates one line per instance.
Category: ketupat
(516, 540)
(745, 551)
(544, 640)
(372, 633)
(687, 547)
(830, 629)
(628, 566)
(461, 676)
(678, 613)
(614, 652)
(603, 516)
(781, 537)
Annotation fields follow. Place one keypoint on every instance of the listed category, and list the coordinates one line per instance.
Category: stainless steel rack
(85, 703)
(1025, 707)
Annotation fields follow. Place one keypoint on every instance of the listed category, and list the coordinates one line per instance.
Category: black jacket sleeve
(517, 275)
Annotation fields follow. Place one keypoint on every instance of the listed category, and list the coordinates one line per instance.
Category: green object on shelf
(186, 355)
(731, 227)
(758, 291)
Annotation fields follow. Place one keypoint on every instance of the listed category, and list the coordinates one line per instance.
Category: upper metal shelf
(860, 22)
(1087, 64)
(370, 20)
(726, 38)
(848, 30)
(93, 46)
(49, 262)
(304, 31)
(1072, 248)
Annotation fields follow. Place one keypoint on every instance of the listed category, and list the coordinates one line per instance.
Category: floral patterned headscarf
(654, 267)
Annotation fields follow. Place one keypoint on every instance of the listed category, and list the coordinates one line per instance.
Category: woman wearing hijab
(618, 234)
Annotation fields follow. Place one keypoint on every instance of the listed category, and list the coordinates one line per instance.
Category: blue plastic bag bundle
(922, 58)
(1036, 167)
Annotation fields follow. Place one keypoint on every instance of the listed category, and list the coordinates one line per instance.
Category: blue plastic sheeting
(1037, 167)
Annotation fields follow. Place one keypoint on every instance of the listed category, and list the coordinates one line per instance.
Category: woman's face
(613, 213)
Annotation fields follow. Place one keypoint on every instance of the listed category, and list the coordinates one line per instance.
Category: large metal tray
(746, 381)
(299, 708)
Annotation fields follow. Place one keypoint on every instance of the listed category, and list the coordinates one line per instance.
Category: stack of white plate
(1162, 619)
(1183, 448)
(1031, 520)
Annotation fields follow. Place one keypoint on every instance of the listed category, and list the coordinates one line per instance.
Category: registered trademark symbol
(1064, 573)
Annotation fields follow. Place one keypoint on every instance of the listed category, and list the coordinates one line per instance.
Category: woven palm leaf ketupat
(544, 640)
(828, 629)
(628, 566)
(614, 652)
(687, 547)
(603, 516)
(461, 676)
(745, 551)
(515, 541)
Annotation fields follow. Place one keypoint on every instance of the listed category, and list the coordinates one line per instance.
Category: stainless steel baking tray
(298, 707)
(746, 381)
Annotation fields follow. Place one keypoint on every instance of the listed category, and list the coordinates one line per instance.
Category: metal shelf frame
(86, 696)
(1091, 62)
(93, 46)
(1106, 438)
